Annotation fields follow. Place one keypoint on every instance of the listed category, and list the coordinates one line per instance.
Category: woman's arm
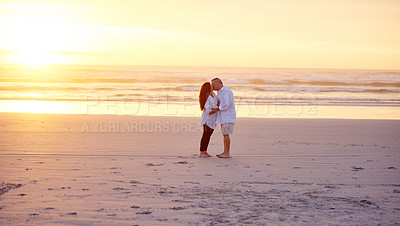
(207, 105)
(225, 101)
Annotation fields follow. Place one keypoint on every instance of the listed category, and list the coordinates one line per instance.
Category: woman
(207, 100)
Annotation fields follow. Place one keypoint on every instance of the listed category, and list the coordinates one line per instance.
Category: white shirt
(206, 118)
(227, 112)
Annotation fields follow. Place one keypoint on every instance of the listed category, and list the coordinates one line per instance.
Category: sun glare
(39, 36)
(36, 58)
(36, 107)
(34, 95)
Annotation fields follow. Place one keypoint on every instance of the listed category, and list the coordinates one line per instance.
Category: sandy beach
(144, 170)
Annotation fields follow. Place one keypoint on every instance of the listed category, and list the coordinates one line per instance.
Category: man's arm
(226, 100)
(213, 111)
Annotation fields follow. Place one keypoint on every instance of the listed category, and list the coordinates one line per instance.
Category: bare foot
(204, 154)
(223, 155)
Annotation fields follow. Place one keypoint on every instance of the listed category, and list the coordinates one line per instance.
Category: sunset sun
(39, 36)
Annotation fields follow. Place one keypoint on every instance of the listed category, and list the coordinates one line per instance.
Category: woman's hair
(204, 93)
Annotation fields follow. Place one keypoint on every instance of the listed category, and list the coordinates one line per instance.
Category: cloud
(137, 32)
(52, 8)
(6, 52)
(72, 53)
(157, 35)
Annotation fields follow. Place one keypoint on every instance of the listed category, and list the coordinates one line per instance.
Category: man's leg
(227, 145)
(227, 129)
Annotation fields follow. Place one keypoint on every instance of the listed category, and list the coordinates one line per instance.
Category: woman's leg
(209, 133)
(205, 139)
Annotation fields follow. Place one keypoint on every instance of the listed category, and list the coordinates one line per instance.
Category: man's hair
(216, 80)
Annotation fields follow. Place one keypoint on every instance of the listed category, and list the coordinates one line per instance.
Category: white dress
(206, 118)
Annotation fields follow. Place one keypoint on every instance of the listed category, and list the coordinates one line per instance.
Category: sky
(336, 34)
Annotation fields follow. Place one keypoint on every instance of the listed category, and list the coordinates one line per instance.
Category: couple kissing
(218, 109)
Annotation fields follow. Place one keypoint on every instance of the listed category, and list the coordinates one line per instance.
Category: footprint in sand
(152, 164)
(329, 186)
(144, 212)
(135, 182)
(118, 188)
(355, 168)
(177, 208)
(191, 182)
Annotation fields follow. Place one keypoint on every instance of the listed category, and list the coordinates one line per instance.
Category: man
(226, 113)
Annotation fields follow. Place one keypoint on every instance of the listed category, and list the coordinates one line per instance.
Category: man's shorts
(227, 128)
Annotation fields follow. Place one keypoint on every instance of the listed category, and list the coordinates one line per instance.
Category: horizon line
(43, 66)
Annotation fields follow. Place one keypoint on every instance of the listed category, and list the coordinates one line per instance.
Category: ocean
(173, 91)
